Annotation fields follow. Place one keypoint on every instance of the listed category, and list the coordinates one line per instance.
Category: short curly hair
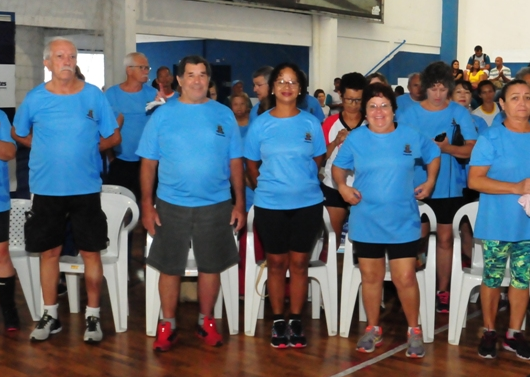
(437, 73)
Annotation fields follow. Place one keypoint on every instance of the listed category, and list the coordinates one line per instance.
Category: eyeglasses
(142, 67)
(383, 107)
(352, 100)
(285, 83)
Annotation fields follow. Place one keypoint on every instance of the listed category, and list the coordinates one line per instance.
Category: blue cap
(236, 82)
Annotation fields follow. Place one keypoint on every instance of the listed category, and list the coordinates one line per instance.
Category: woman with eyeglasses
(336, 128)
(284, 150)
(438, 118)
(384, 209)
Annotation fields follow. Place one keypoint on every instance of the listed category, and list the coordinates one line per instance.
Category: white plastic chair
(115, 189)
(114, 259)
(322, 275)
(464, 280)
(351, 281)
(229, 291)
(26, 264)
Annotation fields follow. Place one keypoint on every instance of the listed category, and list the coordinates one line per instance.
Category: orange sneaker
(208, 333)
(165, 338)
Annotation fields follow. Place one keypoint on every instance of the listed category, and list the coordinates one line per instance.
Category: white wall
(500, 27)
(361, 44)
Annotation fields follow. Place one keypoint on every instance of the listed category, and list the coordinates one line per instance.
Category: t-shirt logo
(407, 150)
(308, 137)
(90, 114)
(220, 130)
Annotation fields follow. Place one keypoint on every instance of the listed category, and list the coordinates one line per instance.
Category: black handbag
(458, 140)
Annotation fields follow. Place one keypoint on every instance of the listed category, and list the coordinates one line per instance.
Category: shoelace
(44, 321)
(92, 323)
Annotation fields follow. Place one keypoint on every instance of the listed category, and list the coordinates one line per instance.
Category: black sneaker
(280, 337)
(296, 334)
(488, 345)
(518, 345)
(11, 320)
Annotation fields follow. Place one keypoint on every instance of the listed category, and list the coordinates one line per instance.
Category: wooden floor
(131, 354)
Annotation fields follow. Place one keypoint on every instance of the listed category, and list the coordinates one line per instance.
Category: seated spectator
(489, 109)
(483, 59)
(458, 74)
(500, 75)
(475, 75)
(321, 97)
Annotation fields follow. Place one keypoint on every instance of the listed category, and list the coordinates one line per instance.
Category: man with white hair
(67, 122)
(128, 100)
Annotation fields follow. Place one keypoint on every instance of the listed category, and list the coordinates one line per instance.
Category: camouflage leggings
(496, 254)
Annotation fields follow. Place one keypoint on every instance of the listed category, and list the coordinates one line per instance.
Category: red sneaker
(208, 333)
(165, 338)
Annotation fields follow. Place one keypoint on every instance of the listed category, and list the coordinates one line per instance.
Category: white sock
(52, 310)
(172, 322)
(91, 312)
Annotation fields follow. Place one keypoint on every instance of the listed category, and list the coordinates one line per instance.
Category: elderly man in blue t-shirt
(67, 122)
(195, 145)
(128, 100)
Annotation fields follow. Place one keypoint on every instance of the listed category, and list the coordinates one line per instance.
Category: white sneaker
(46, 326)
(93, 333)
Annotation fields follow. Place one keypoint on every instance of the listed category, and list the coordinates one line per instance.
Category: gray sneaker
(46, 326)
(415, 349)
(370, 340)
(93, 333)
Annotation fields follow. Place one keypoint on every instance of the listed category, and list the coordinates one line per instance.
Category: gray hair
(411, 76)
(522, 73)
(264, 71)
(48, 48)
(129, 58)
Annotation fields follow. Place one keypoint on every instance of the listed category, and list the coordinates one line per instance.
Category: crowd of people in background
(364, 152)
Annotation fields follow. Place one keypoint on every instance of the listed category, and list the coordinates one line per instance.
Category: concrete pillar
(449, 43)
(29, 71)
(323, 53)
(119, 36)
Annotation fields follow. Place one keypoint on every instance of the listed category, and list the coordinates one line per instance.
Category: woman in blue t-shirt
(500, 171)
(384, 213)
(290, 145)
(437, 118)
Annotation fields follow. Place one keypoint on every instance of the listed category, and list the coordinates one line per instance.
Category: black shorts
(126, 174)
(445, 209)
(332, 197)
(4, 226)
(287, 230)
(46, 222)
(395, 250)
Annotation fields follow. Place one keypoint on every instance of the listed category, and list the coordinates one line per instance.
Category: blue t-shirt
(312, 106)
(132, 106)
(403, 103)
(432, 123)
(480, 123)
(288, 175)
(384, 175)
(194, 144)
(64, 158)
(253, 113)
(507, 153)
(5, 135)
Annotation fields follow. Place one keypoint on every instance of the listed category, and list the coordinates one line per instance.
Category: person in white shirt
(500, 75)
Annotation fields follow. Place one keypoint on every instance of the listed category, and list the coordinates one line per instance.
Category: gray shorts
(207, 227)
